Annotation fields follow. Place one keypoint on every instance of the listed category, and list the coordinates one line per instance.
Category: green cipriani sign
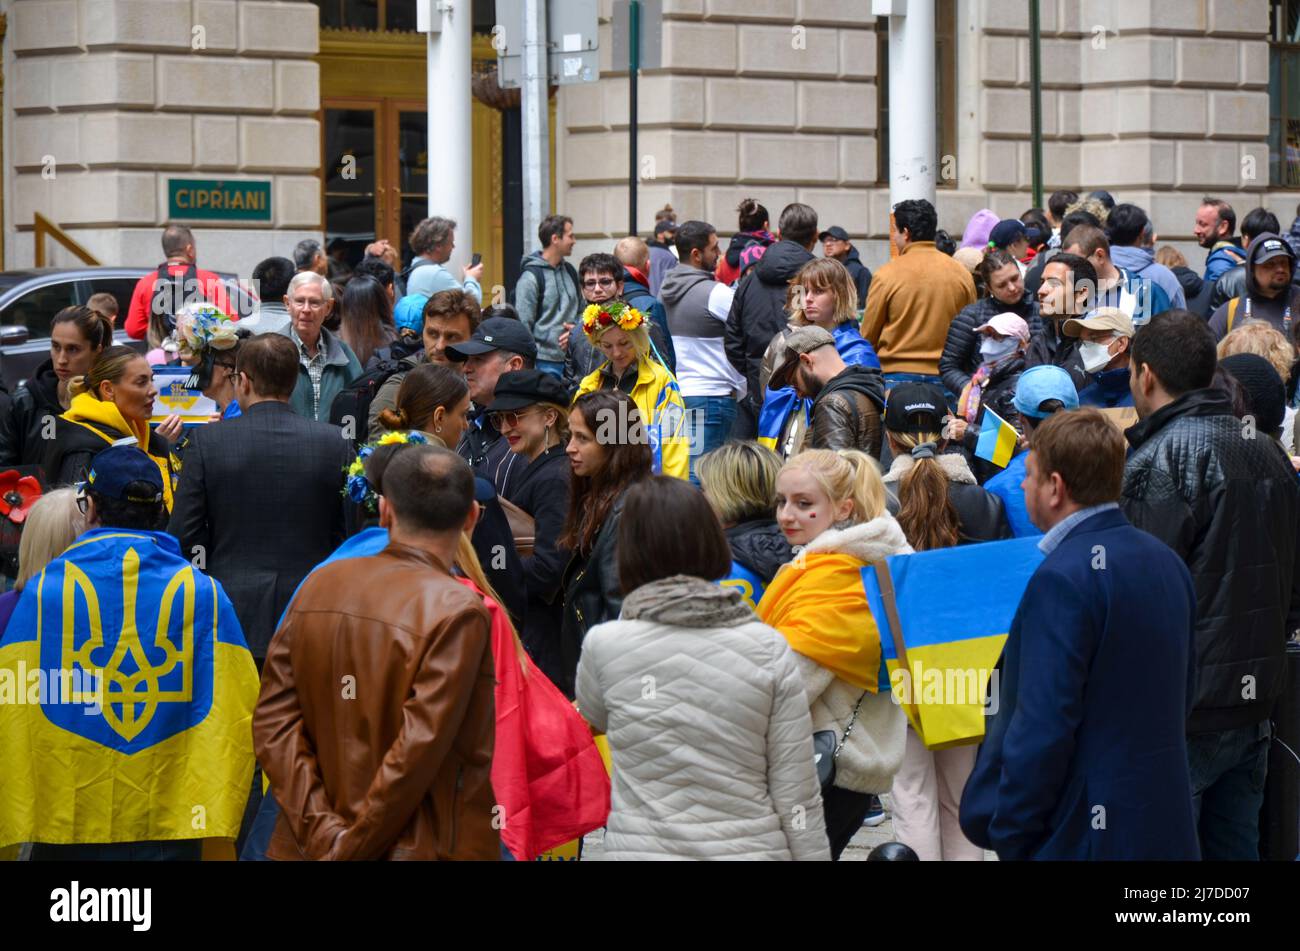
(197, 199)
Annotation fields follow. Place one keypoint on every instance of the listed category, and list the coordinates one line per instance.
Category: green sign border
(251, 188)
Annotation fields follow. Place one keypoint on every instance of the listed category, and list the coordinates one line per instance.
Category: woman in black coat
(78, 336)
(602, 469)
(739, 480)
(528, 410)
(1006, 294)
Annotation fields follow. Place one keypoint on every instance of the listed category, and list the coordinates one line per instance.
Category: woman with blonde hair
(619, 332)
(53, 524)
(821, 294)
(938, 504)
(1264, 340)
(831, 507)
(739, 481)
(112, 402)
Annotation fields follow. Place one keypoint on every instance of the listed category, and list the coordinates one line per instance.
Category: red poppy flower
(605, 318)
(17, 495)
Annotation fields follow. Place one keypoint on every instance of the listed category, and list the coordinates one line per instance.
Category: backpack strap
(1232, 314)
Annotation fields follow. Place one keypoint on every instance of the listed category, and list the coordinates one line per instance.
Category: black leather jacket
(592, 595)
(1230, 507)
(846, 413)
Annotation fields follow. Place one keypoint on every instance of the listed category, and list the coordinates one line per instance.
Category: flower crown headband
(201, 327)
(358, 487)
(598, 318)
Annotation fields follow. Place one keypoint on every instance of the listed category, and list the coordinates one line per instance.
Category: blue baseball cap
(409, 312)
(1041, 383)
(116, 468)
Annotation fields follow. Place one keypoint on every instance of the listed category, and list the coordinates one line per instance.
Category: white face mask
(993, 350)
(1095, 355)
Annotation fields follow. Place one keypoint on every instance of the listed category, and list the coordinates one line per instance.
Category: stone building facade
(1162, 101)
(107, 100)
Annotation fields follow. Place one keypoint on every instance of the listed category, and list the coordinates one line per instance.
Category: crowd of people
(653, 483)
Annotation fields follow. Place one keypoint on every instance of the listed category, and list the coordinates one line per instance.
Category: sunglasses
(502, 421)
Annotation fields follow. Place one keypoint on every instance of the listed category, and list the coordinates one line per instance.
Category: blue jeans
(554, 367)
(1228, 769)
(893, 379)
(709, 420)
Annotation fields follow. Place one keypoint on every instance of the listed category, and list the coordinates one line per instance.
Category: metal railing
(43, 227)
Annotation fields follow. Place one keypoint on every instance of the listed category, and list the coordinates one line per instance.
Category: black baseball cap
(125, 474)
(520, 388)
(496, 333)
(1007, 232)
(915, 408)
(834, 231)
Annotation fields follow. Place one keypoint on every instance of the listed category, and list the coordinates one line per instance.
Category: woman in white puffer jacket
(831, 506)
(702, 704)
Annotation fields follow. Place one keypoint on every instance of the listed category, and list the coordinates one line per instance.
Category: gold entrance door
(376, 173)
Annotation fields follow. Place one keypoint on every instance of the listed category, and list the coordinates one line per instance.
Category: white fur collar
(868, 542)
(953, 465)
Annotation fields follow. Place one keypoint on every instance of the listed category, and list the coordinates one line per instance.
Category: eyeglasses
(83, 500)
(602, 282)
(502, 421)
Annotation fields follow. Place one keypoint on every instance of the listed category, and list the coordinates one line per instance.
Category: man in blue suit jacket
(1086, 757)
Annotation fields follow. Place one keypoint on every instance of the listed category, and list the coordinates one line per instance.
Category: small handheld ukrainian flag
(998, 439)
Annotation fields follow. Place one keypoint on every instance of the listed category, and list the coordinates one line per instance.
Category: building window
(1284, 94)
(945, 92)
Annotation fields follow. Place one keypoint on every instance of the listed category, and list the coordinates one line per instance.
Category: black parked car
(29, 299)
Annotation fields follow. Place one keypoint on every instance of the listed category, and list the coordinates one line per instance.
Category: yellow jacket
(659, 400)
(101, 416)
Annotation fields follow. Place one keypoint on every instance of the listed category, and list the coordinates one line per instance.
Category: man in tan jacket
(913, 299)
(375, 721)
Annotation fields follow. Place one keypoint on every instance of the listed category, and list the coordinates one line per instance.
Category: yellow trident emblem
(141, 688)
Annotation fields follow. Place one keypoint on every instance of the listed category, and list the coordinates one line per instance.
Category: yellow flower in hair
(387, 439)
(630, 319)
(357, 468)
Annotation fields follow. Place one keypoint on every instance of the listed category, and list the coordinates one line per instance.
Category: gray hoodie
(547, 298)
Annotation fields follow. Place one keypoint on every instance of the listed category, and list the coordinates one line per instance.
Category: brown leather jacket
(375, 721)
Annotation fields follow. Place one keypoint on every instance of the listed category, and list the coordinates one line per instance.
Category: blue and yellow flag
(941, 658)
(777, 407)
(750, 585)
(126, 699)
(998, 439)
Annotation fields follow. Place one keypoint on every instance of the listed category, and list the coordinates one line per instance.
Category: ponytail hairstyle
(109, 367)
(628, 459)
(995, 259)
(753, 216)
(94, 326)
(845, 474)
(467, 561)
(926, 513)
(425, 388)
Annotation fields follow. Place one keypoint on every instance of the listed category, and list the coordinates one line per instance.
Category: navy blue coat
(1086, 756)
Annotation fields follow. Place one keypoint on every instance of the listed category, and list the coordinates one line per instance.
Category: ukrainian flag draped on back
(167, 751)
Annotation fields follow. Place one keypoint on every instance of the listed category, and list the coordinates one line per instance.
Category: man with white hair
(327, 364)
